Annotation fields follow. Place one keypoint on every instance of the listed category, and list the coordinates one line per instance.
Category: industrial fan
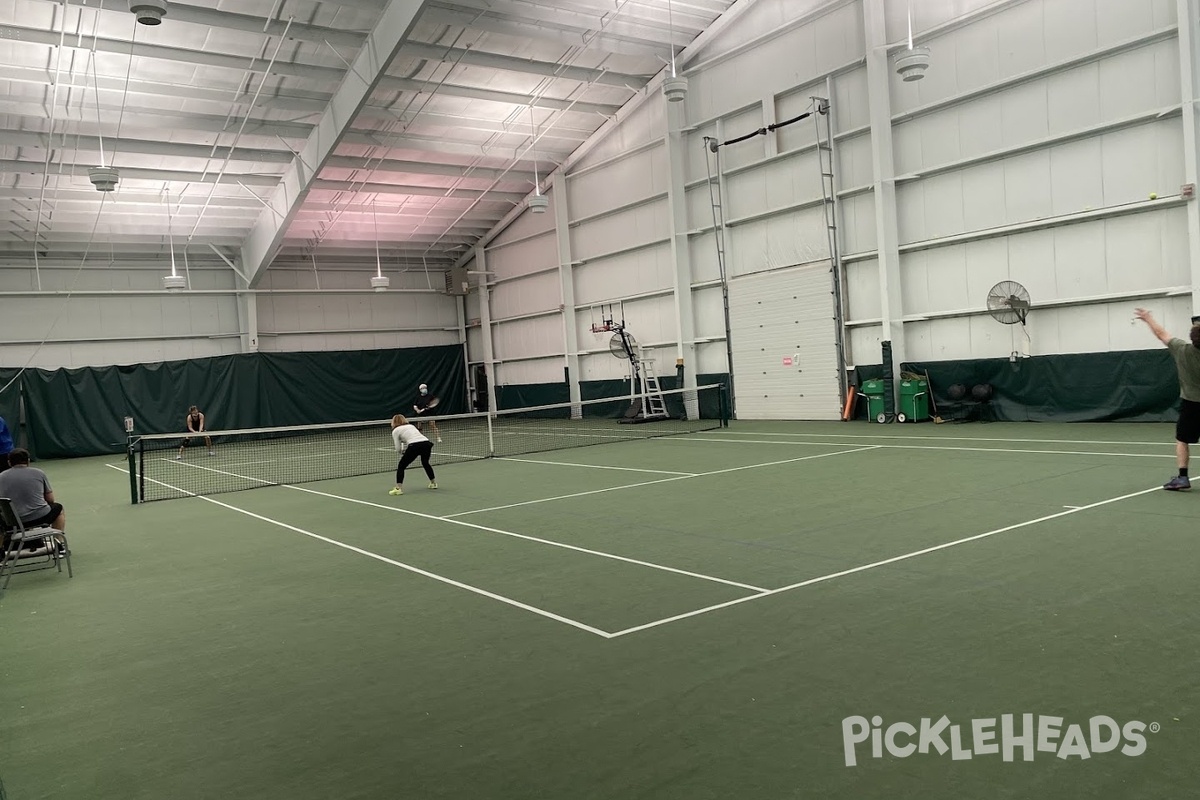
(1008, 302)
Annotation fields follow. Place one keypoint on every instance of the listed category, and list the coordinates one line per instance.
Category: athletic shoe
(433, 484)
(439, 440)
(395, 492)
(211, 453)
(1178, 484)
(179, 458)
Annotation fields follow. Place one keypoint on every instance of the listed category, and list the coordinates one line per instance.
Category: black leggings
(422, 449)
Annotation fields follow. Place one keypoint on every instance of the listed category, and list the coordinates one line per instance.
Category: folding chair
(29, 549)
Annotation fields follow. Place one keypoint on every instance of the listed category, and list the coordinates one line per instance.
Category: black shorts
(45, 519)
(1187, 429)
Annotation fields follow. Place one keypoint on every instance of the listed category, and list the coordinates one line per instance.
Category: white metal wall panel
(863, 294)
(644, 125)
(526, 295)
(784, 345)
(542, 370)
(644, 270)
(798, 237)
(629, 228)
(641, 174)
(520, 339)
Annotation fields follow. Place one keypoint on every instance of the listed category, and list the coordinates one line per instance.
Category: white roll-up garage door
(784, 345)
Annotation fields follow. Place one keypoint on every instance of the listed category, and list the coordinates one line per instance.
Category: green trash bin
(914, 401)
(875, 390)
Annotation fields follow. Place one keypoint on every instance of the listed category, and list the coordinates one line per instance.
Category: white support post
(247, 305)
(485, 326)
(566, 277)
(1189, 64)
(769, 118)
(884, 181)
(681, 256)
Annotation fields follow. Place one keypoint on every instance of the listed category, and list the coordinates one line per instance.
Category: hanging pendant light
(379, 282)
(675, 88)
(173, 282)
(912, 63)
(539, 202)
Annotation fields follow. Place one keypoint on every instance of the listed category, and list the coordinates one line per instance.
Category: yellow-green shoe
(396, 491)
(433, 484)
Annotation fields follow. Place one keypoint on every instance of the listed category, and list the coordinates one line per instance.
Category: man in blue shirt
(6, 444)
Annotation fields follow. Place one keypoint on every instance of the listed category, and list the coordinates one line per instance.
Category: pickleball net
(259, 457)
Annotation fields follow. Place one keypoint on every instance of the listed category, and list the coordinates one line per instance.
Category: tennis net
(174, 465)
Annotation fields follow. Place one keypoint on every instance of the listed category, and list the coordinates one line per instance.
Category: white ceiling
(209, 109)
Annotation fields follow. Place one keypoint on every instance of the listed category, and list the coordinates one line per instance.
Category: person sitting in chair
(32, 498)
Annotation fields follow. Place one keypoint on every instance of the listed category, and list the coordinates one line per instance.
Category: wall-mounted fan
(1008, 302)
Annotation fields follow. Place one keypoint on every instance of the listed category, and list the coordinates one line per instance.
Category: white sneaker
(211, 453)
(179, 458)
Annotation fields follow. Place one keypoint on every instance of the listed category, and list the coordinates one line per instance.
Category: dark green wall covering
(78, 412)
(1132, 386)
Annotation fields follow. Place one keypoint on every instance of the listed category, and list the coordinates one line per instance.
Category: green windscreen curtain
(78, 412)
(1134, 386)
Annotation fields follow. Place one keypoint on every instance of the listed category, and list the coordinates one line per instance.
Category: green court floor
(769, 611)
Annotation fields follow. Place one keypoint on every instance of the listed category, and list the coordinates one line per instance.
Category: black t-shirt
(422, 401)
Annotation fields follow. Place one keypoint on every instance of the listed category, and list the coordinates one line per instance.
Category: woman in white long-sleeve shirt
(411, 444)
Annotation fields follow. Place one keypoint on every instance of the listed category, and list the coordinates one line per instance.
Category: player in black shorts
(195, 424)
(1187, 363)
(421, 404)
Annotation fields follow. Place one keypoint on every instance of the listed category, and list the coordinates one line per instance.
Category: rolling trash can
(914, 401)
(875, 390)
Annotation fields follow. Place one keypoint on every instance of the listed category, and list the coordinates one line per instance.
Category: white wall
(113, 314)
(1029, 152)
(328, 310)
(118, 313)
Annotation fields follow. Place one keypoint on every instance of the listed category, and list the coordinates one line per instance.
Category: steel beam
(385, 40)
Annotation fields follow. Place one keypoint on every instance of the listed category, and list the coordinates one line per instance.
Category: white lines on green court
(409, 567)
(594, 466)
(660, 480)
(931, 438)
(549, 542)
(538, 540)
(730, 440)
(877, 564)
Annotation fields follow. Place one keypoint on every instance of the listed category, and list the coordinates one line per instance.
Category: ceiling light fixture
(539, 202)
(912, 63)
(173, 282)
(380, 281)
(148, 12)
(675, 88)
(105, 179)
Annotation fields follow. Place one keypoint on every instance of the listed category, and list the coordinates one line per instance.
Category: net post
(141, 469)
(491, 434)
(133, 483)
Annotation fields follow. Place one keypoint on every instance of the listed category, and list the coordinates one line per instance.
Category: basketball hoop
(604, 318)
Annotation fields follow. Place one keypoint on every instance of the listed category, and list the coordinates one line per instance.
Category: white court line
(934, 438)
(728, 440)
(660, 480)
(877, 564)
(594, 466)
(550, 542)
(416, 570)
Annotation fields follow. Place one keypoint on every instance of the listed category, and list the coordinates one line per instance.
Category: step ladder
(712, 162)
(826, 157)
(654, 405)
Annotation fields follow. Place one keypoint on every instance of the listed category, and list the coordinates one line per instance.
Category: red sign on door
(787, 361)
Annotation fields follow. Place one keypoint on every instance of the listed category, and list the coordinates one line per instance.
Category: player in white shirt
(411, 444)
